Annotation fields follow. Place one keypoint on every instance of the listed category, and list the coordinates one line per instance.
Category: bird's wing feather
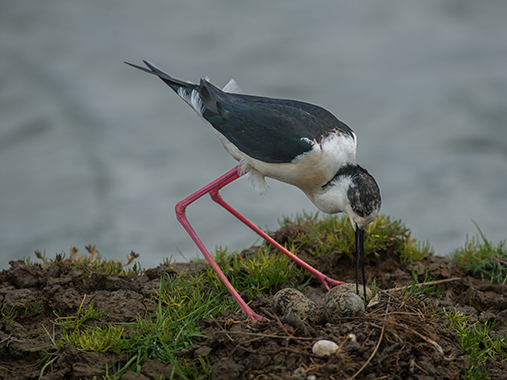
(270, 130)
(267, 129)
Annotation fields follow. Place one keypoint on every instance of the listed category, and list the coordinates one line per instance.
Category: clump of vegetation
(427, 288)
(320, 236)
(9, 313)
(258, 272)
(486, 258)
(91, 262)
(475, 339)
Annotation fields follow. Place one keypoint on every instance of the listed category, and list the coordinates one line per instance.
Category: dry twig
(372, 354)
(264, 335)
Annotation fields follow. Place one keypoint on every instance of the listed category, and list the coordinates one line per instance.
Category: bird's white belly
(308, 171)
(311, 170)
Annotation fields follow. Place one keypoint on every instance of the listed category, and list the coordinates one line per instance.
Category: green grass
(90, 262)
(476, 341)
(419, 290)
(260, 272)
(98, 336)
(320, 236)
(18, 311)
(486, 258)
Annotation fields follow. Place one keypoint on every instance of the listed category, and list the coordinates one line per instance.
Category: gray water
(93, 151)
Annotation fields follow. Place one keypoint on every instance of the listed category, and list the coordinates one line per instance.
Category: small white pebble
(311, 377)
(352, 337)
(324, 348)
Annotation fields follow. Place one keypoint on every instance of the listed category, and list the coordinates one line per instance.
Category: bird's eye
(358, 211)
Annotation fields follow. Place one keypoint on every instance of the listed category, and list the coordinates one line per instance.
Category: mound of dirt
(398, 338)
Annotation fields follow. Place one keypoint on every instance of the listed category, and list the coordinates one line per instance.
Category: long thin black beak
(360, 258)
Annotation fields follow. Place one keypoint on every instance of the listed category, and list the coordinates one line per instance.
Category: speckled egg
(305, 309)
(349, 288)
(283, 297)
(341, 305)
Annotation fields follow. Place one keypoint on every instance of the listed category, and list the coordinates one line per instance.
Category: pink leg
(213, 189)
(182, 218)
(215, 195)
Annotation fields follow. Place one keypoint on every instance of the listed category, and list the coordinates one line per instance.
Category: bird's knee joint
(180, 208)
(214, 194)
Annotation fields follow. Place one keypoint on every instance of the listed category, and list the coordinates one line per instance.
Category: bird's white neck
(332, 198)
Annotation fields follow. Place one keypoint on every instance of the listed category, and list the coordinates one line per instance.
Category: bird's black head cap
(363, 192)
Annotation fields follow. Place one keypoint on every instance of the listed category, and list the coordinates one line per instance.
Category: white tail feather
(194, 100)
(232, 87)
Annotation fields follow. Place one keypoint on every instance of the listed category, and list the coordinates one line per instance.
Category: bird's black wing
(270, 130)
(267, 129)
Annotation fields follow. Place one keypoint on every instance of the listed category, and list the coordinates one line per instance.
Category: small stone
(299, 373)
(353, 346)
(324, 348)
(202, 351)
(346, 328)
(131, 375)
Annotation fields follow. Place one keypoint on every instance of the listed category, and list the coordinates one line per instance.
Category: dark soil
(398, 338)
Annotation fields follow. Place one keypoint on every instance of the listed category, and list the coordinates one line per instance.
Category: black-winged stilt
(294, 142)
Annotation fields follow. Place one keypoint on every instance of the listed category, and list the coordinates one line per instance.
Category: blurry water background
(93, 151)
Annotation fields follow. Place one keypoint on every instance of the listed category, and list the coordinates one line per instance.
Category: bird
(291, 141)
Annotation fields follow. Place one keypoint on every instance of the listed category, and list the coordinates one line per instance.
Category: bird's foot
(254, 316)
(330, 283)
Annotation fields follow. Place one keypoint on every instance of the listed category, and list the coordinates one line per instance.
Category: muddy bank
(399, 338)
